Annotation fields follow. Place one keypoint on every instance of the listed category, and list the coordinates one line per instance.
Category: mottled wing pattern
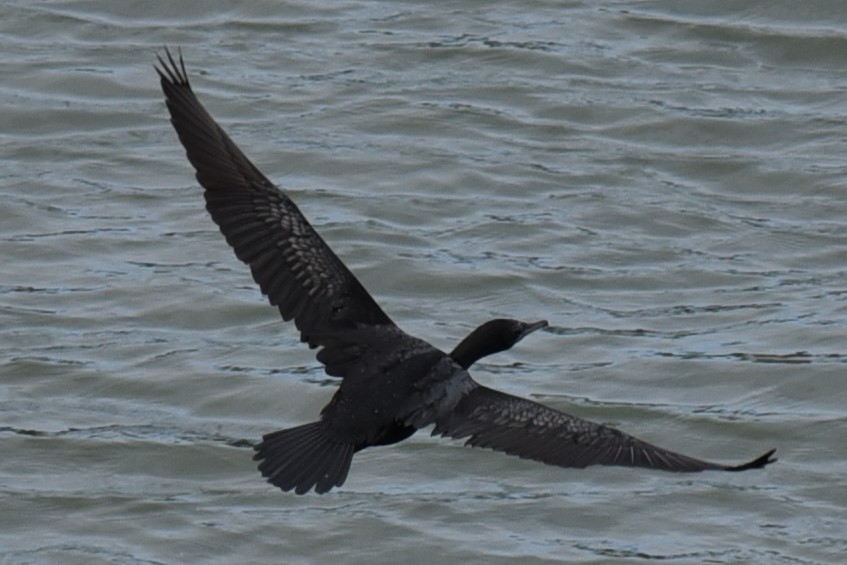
(291, 263)
(499, 421)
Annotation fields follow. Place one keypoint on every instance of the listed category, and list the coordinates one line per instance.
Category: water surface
(664, 182)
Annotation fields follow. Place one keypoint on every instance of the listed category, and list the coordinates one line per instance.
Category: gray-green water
(665, 182)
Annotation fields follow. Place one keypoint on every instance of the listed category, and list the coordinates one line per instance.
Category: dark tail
(304, 457)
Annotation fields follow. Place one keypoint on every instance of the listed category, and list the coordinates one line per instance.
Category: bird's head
(493, 337)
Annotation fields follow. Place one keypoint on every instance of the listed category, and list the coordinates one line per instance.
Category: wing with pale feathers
(499, 421)
(292, 264)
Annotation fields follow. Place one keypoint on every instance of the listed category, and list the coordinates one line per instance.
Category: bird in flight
(391, 383)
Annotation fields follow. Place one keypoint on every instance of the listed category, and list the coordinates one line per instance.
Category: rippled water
(663, 181)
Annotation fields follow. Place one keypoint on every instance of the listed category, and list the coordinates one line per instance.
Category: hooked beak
(532, 327)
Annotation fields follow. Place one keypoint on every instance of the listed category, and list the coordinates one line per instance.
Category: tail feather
(338, 470)
(303, 458)
(295, 440)
(313, 466)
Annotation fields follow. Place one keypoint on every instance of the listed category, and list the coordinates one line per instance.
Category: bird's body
(392, 384)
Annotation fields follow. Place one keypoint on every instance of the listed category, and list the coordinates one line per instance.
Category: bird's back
(391, 379)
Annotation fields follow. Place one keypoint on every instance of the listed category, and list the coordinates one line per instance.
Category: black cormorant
(392, 384)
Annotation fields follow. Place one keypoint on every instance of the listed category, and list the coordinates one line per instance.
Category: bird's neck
(469, 351)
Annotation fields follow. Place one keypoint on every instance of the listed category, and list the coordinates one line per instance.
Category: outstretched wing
(293, 265)
(499, 421)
